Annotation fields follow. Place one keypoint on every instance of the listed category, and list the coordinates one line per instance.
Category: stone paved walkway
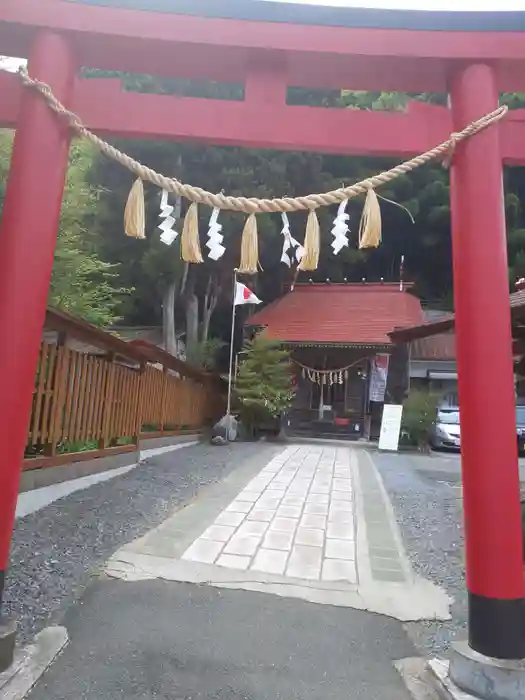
(296, 517)
(314, 522)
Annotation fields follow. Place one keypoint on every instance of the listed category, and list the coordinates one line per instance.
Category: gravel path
(429, 515)
(56, 550)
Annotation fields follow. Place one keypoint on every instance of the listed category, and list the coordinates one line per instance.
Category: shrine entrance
(267, 48)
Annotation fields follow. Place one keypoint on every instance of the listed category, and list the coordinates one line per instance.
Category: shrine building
(338, 336)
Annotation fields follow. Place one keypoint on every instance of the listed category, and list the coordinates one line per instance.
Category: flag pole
(231, 344)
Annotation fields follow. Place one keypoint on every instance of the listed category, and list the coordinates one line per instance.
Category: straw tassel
(190, 246)
(134, 215)
(249, 247)
(370, 224)
(312, 243)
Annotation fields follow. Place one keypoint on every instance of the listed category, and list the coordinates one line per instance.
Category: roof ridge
(361, 285)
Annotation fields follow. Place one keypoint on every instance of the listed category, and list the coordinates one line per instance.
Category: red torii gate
(267, 46)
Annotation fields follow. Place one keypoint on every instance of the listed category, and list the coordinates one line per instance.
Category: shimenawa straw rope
(253, 205)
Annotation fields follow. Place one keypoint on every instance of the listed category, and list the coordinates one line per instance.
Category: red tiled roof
(353, 314)
(437, 347)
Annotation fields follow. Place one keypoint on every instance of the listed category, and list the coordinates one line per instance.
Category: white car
(446, 433)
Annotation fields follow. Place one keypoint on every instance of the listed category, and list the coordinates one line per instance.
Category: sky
(10, 64)
(472, 5)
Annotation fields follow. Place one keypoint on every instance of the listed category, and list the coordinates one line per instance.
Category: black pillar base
(7, 643)
(497, 627)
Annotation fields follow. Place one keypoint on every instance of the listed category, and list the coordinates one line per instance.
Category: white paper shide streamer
(215, 238)
(340, 229)
(291, 247)
(168, 234)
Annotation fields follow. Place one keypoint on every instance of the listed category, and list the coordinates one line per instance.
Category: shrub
(419, 415)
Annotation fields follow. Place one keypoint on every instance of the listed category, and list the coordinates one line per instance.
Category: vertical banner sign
(378, 377)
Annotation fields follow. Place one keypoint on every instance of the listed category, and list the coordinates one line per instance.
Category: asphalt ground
(156, 639)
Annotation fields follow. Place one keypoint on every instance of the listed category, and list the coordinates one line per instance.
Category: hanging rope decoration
(325, 377)
(134, 213)
(369, 229)
(190, 246)
(168, 234)
(291, 247)
(215, 237)
(370, 224)
(249, 263)
(312, 243)
(340, 229)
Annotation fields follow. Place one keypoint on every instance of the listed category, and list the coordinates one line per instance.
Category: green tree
(6, 145)
(263, 387)
(84, 285)
(81, 283)
(204, 353)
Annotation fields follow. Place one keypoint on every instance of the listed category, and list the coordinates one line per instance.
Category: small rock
(226, 428)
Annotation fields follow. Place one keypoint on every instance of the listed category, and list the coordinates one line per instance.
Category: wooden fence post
(107, 414)
(139, 406)
(59, 389)
(164, 399)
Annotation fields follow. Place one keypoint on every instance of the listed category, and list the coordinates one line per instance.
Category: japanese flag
(243, 295)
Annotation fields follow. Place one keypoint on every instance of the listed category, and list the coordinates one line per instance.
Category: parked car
(446, 433)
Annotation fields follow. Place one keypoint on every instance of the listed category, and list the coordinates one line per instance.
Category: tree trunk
(191, 304)
(192, 319)
(184, 278)
(210, 302)
(168, 319)
(205, 328)
(169, 298)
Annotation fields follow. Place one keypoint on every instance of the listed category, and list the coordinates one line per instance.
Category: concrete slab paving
(274, 530)
(313, 523)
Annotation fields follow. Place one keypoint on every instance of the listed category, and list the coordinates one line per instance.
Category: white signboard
(390, 427)
(378, 378)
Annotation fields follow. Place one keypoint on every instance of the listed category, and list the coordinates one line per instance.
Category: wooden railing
(172, 403)
(92, 402)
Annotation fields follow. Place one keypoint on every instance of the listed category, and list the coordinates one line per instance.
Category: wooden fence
(87, 404)
(172, 403)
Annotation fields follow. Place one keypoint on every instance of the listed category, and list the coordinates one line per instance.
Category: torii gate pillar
(27, 244)
(494, 556)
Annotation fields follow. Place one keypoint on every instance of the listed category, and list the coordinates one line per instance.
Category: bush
(419, 415)
(204, 354)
